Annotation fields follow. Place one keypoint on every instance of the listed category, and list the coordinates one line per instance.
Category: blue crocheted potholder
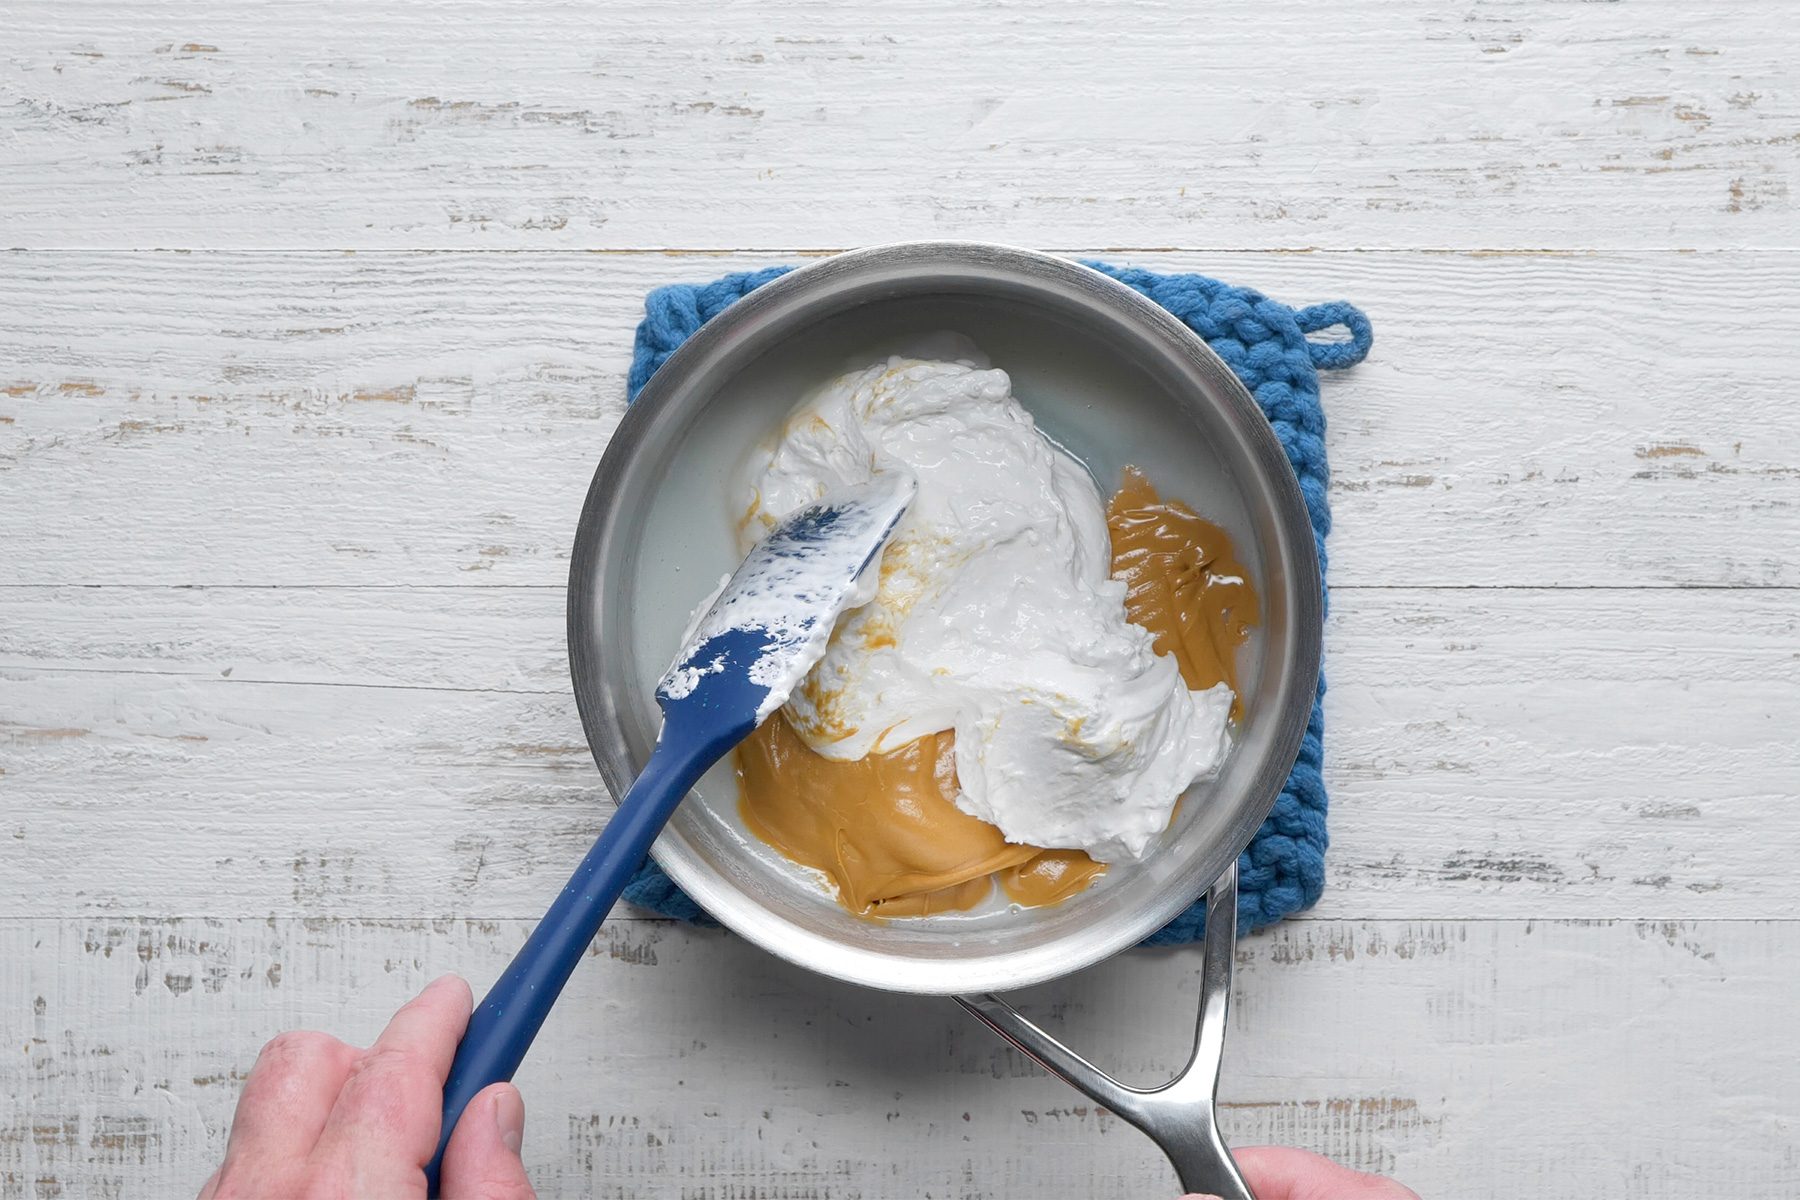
(1266, 344)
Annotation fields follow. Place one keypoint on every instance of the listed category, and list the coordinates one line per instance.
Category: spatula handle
(503, 1025)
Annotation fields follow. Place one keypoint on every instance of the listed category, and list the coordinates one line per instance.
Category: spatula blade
(771, 621)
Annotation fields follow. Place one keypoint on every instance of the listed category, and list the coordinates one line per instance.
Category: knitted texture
(1265, 343)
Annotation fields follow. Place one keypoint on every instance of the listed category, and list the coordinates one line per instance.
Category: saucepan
(1114, 379)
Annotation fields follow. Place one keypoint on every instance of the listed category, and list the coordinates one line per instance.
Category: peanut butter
(886, 829)
(1183, 583)
(1049, 877)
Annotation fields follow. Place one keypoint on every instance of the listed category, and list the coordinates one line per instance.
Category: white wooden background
(314, 319)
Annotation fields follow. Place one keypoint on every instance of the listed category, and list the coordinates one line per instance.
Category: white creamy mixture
(995, 616)
(792, 588)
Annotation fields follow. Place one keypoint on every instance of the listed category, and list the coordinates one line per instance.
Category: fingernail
(452, 982)
(509, 1115)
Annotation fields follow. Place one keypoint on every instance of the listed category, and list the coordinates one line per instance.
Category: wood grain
(1399, 1046)
(306, 419)
(286, 496)
(562, 124)
(416, 752)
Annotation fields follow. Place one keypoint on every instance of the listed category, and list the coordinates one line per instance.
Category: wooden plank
(357, 726)
(415, 752)
(434, 419)
(683, 1063)
(565, 124)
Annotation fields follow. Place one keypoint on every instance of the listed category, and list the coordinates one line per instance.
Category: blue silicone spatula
(766, 628)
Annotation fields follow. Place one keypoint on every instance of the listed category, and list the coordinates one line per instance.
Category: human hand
(1278, 1173)
(322, 1120)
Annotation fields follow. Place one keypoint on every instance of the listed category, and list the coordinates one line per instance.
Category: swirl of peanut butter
(1183, 583)
(886, 830)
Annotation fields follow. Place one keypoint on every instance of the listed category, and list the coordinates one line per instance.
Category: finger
(482, 1160)
(1281, 1173)
(286, 1099)
(384, 1127)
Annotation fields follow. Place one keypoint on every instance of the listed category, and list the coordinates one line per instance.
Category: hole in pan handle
(1180, 1116)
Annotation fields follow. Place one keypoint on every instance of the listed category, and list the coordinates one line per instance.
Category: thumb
(482, 1160)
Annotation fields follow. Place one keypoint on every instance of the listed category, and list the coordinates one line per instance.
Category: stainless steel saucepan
(1114, 379)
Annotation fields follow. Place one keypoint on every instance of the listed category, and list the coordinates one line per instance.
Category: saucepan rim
(599, 695)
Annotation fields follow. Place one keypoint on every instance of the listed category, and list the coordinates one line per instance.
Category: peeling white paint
(1398, 1046)
(562, 124)
(284, 720)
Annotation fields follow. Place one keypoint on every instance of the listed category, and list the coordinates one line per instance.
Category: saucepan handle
(1180, 1116)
